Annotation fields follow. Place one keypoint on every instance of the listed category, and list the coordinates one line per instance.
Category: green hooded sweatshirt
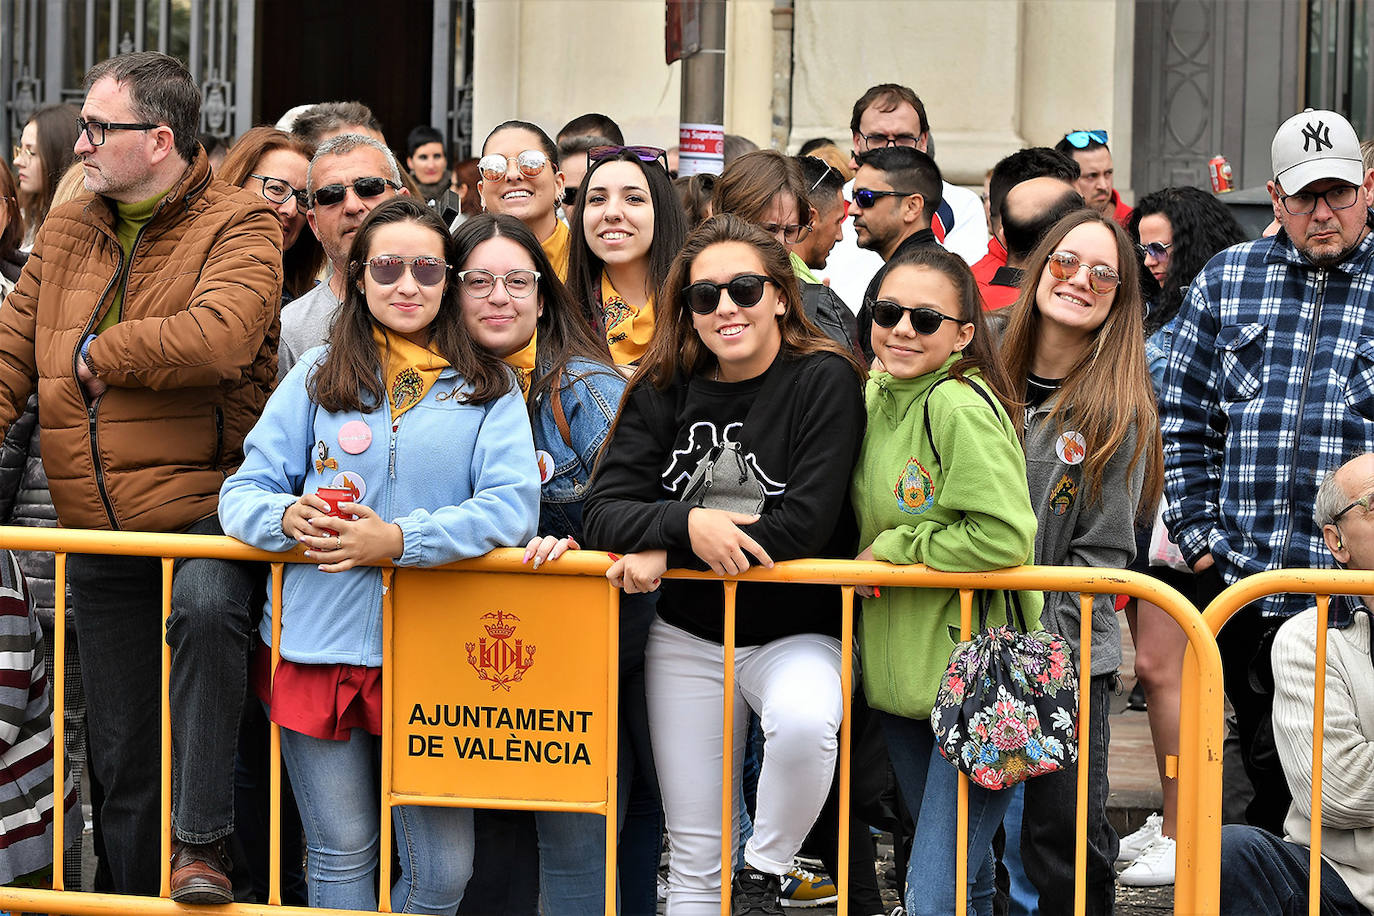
(968, 511)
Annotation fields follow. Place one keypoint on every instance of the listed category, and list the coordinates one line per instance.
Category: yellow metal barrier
(1199, 764)
(1321, 584)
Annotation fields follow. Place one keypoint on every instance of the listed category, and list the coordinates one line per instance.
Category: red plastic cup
(333, 496)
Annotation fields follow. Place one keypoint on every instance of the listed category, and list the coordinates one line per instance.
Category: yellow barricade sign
(501, 686)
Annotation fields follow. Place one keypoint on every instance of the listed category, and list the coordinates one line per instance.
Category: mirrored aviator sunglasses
(745, 290)
(494, 166)
(387, 269)
(1064, 266)
(924, 320)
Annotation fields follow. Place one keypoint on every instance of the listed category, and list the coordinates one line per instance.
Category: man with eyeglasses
(1269, 386)
(349, 177)
(1096, 173)
(146, 319)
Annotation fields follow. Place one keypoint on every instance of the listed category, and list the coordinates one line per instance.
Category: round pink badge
(355, 436)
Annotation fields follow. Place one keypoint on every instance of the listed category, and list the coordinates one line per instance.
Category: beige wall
(994, 74)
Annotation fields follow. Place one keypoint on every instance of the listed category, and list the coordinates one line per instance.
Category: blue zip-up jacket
(459, 479)
(1270, 386)
(590, 399)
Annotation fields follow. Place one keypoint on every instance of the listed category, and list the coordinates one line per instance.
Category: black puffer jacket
(24, 500)
(828, 312)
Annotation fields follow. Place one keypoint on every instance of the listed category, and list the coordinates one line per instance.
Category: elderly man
(146, 319)
(349, 177)
(1270, 384)
(1261, 873)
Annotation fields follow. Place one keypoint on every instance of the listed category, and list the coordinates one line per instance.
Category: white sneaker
(1134, 846)
(1154, 868)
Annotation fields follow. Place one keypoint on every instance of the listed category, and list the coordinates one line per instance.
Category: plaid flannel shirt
(1269, 387)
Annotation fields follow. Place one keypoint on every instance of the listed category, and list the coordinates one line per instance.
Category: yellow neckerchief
(627, 329)
(556, 247)
(522, 361)
(410, 370)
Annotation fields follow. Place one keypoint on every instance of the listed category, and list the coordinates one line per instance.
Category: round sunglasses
(387, 269)
(924, 320)
(1064, 266)
(746, 290)
(494, 166)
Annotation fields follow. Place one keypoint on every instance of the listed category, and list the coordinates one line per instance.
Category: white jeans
(794, 685)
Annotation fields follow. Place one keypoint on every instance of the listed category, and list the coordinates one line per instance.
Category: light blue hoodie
(459, 479)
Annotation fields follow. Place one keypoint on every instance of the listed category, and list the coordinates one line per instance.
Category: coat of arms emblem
(498, 657)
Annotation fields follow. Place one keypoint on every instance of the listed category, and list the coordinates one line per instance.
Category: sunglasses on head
(332, 194)
(642, 153)
(1079, 139)
(387, 269)
(1157, 250)
(866, 198)
(745, 290)
(494, 166)
(924, 320)
(1064, 265)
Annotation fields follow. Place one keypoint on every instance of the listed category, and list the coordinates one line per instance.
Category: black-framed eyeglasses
(881, 141)
(1079, 139)
(791, 234)
(924, 320)
(642, 153)
(95, 130)
(1341, 197)
(387, 269)
(1064, 266)
(479, 283)
(1157, 250)
(746, 290)
(279, 191)
(866, 198)
(332, 194)
(1363, 502)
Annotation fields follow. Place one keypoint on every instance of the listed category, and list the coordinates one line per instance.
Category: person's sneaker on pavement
(802, 888)
(200, 873)
(1134, 845)
(754, 892)
(1153, 868)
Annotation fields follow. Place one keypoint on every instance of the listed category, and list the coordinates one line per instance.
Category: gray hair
(1331, 498)
(347, 143)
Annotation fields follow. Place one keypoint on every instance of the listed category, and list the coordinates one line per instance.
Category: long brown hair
(1108, 389)
(562, 331)
(13, 236)
(676, 349)
(303, 262)
(980, 354)
(350, 376)
(56, 125)
(748, 185)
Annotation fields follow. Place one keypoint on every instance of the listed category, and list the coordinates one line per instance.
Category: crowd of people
(834, 355)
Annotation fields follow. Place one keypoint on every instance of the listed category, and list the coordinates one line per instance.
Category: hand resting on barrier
(547, 548)
(719, 542)
(361, 541)
(639, 572)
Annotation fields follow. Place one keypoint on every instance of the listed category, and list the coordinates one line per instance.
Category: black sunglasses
(924, 320)
(866, 198)
(746, 290)
(332, 194)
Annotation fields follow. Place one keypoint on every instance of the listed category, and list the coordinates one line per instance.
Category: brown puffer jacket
(189, 365)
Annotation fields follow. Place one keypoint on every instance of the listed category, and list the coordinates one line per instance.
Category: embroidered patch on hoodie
(915, 491)
(1061, 497)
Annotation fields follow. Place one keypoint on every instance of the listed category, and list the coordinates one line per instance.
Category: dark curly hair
(1202, 226)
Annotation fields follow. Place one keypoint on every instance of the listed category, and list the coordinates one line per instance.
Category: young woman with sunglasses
(1073, 347)
(769, 190)
(400, 390)
(1177, 231)
(627, 227)
(44, 153)
(940, 427)
(273, 164)
(520, 176)
(735, 377)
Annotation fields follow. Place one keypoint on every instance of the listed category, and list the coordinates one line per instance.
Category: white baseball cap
(1314, 145)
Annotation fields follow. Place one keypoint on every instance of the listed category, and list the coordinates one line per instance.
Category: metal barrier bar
(165, 872)
(727, 757)
(1085, 675)
(1314, 862)
(59, 723)
(274, 753)
(846, 744)
(961, 808)
(388, 712)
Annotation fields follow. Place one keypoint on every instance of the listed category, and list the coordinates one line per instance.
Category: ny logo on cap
(1319, 134)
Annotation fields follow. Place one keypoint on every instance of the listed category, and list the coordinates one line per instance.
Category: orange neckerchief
(410, 370)
(522, 361)
(628, 330)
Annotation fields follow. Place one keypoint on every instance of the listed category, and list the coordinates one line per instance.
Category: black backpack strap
(930, 437)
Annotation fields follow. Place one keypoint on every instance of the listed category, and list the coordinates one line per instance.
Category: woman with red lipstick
(627, 227)
(739, 388)
(520, 176)
(1094, 461)
(1177, 231)
(43, 154)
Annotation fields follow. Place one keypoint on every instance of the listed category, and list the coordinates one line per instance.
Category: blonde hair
(71, 185)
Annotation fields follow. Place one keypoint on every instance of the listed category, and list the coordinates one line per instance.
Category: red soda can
(1220, 171)
(333, 496)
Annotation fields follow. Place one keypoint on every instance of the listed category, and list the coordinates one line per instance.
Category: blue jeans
(1022, 898)
(930, 787)
(337, 790)
(118, 602)
(1261, 874)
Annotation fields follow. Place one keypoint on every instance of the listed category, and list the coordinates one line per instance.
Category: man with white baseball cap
(1270, 387)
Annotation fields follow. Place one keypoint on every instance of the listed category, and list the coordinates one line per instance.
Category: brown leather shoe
(200, 873)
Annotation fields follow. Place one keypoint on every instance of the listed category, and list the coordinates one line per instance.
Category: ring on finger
(338, 542)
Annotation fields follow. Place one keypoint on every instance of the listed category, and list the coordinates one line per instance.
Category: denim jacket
(590, 402)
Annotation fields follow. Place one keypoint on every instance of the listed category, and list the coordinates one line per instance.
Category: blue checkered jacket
(1270, 386)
